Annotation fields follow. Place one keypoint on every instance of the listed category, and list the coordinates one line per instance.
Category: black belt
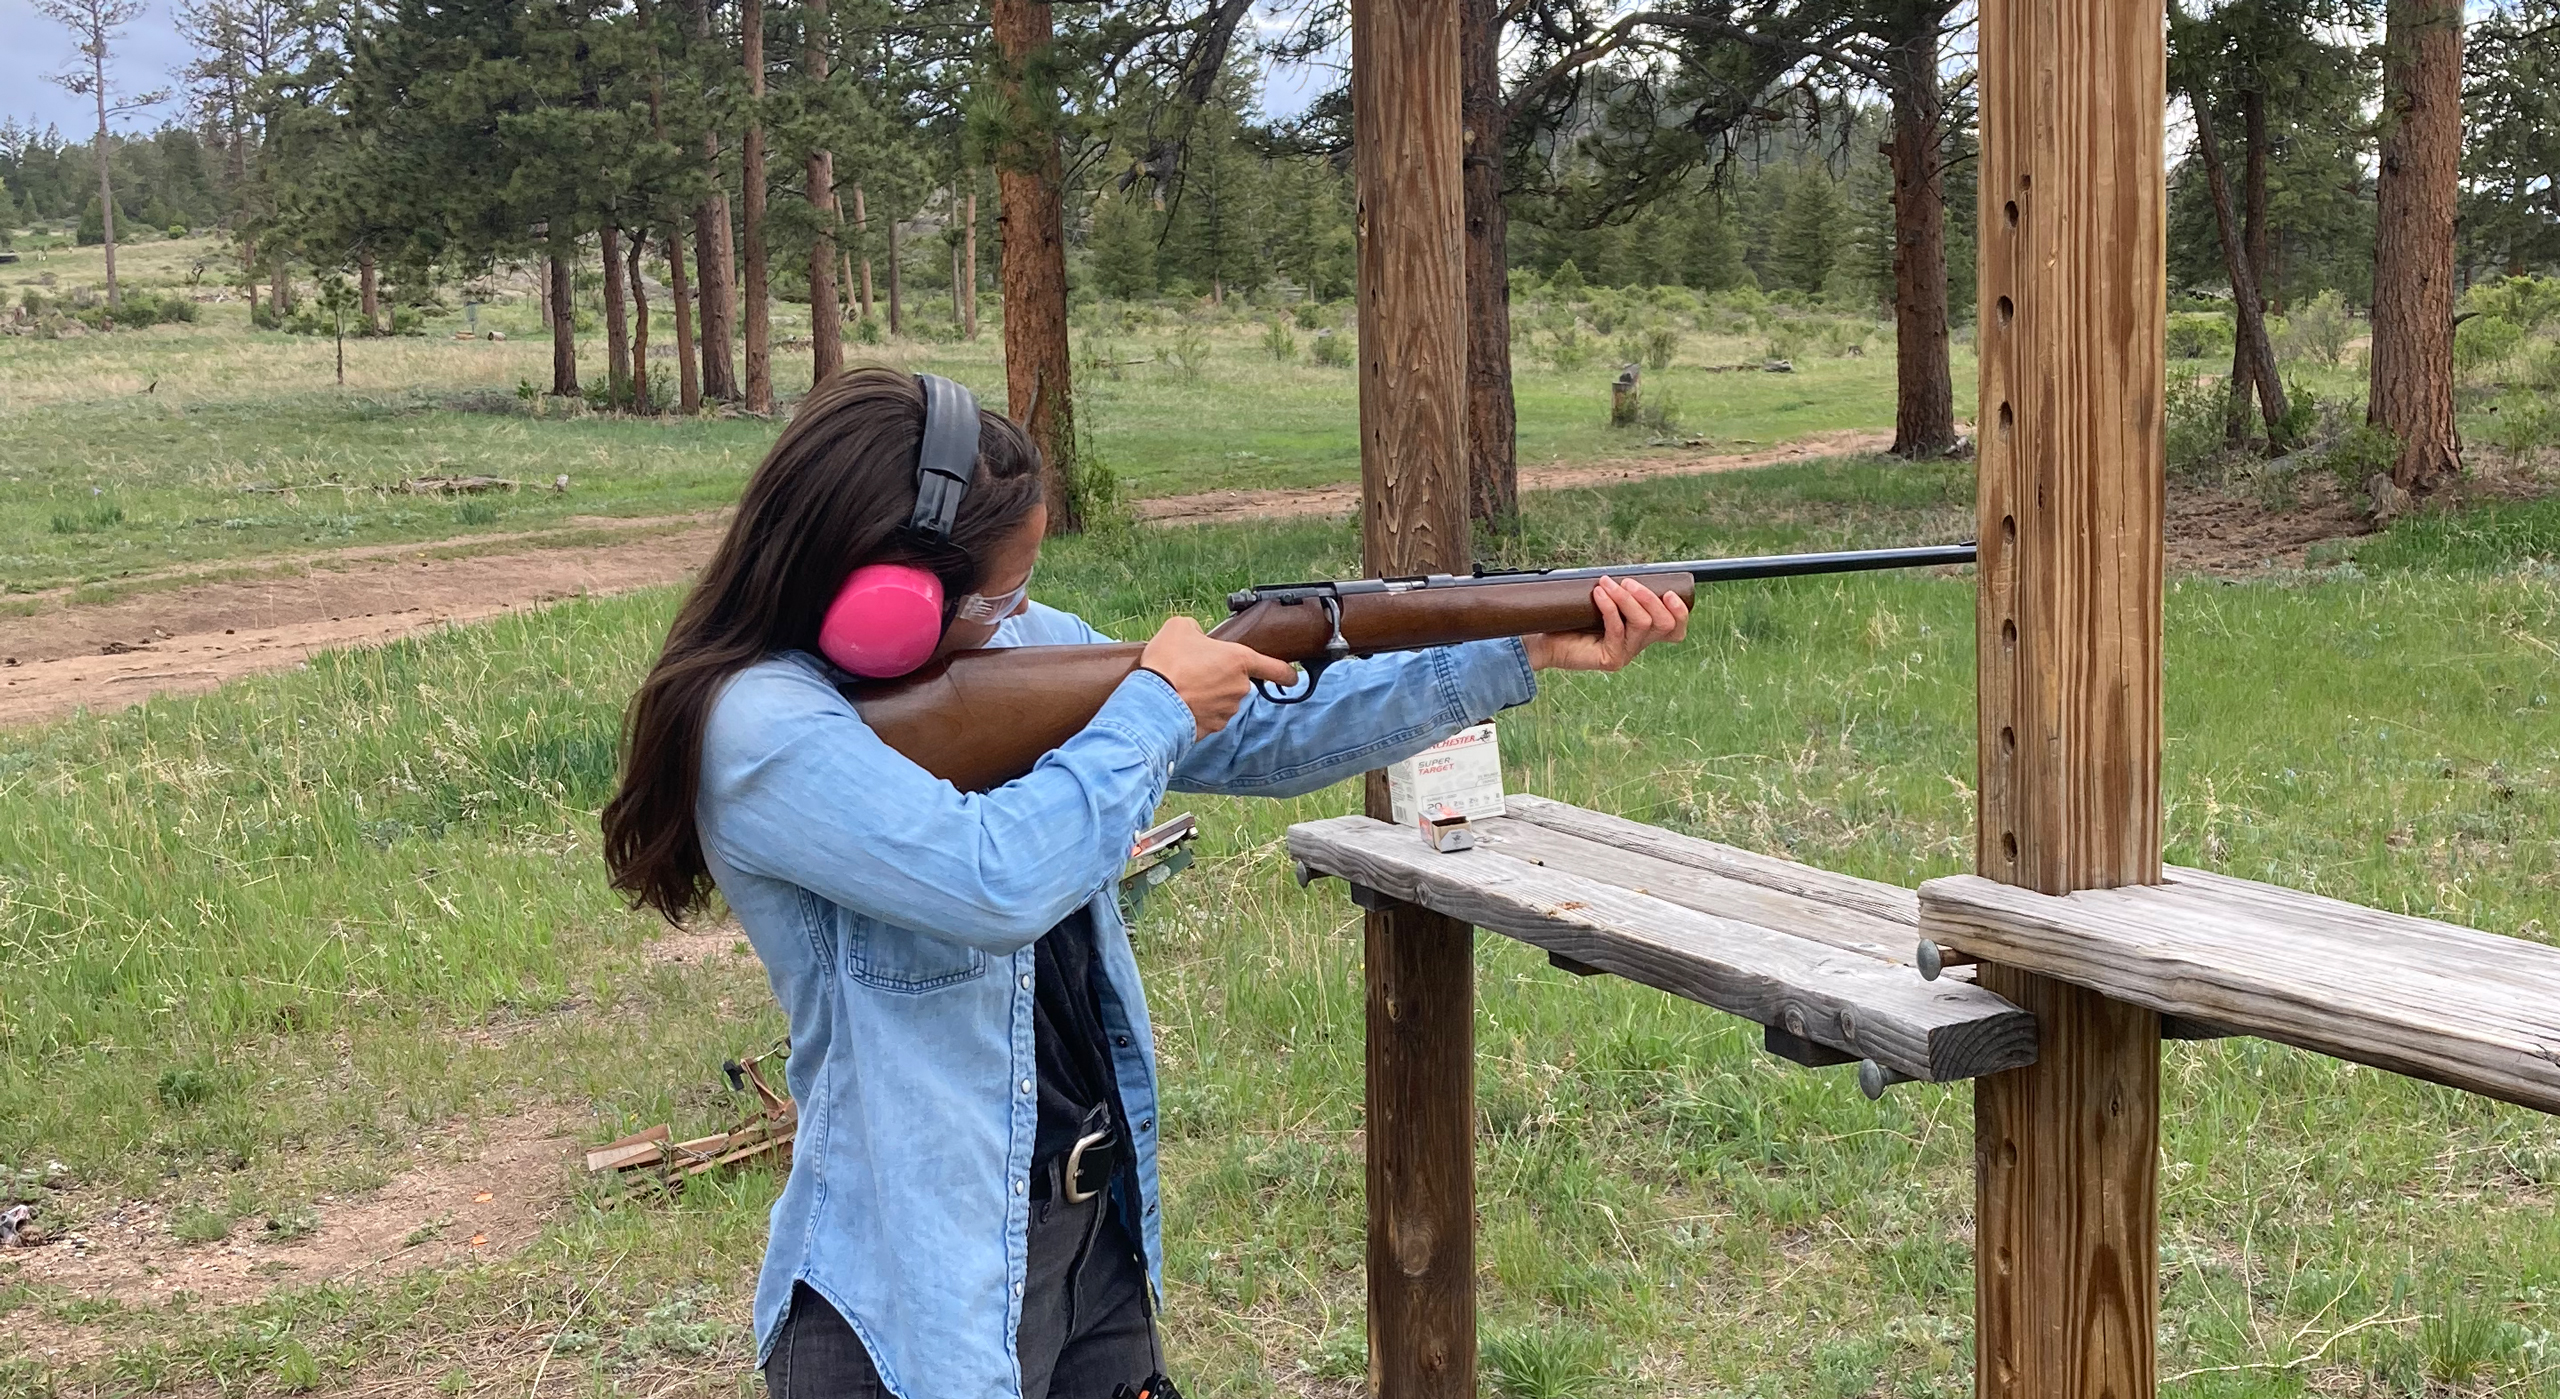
(1083, 1170)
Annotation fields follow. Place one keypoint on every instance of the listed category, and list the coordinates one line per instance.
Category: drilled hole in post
(2010, 211)
(2008, 740)
(2008, 310)
(2026, 181)
(2008, 420)
(2009, 846)
(2009, 634)
(2008, 529)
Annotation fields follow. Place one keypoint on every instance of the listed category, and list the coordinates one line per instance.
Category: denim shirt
(895, 916)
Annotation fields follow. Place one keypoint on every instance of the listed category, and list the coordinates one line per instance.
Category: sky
(32, 48)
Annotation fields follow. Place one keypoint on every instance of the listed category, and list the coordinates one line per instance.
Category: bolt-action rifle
(982, 718)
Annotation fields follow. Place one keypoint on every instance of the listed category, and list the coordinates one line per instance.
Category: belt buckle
(1074, 1168)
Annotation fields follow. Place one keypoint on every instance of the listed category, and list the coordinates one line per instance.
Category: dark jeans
(1086, 1326)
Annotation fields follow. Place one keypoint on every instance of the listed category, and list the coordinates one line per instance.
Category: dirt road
(181, 636)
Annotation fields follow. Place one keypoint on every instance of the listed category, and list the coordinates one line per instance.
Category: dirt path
(186, 636)
(196, 636)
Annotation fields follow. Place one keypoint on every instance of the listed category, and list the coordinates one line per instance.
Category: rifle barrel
(1734, 570)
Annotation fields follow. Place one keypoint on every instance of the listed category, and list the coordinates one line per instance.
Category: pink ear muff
(885, 623)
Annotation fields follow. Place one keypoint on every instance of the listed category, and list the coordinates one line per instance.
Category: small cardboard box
(1462, 771)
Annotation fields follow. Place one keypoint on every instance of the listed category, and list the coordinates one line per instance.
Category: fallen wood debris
(655, 1157)
(472, 485)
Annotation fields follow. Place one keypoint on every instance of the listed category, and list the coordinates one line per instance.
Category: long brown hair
(833, 494)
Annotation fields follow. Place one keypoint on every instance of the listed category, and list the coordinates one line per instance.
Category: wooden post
(1408, 148)
(2073, 313)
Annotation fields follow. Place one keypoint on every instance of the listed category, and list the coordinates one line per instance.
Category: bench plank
(1885, 903)
(2451, 1005)
(1938, 1031)
(1696, 886)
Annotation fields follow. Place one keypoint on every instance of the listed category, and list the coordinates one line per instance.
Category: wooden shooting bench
(1840, 970)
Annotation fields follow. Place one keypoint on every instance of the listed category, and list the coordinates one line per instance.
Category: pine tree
(1123, 245)
(1807, 235)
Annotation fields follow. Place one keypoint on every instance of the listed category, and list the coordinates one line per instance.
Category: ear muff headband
(946, 456)
(889, 617)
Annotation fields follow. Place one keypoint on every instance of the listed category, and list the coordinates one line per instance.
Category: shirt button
(1026, 982)
(1017, 1289)
(1147, 1125)
(1122, 1041)
(1021, 1187)
(1151, 1208)
(1026, 1085)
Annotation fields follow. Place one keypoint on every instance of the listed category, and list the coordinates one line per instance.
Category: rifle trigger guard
(1335, 649)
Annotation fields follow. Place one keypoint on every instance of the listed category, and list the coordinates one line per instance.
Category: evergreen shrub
(2200, 335)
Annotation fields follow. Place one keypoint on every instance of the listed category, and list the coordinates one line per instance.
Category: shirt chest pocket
(901, 959)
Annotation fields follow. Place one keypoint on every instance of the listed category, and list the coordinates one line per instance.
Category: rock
(2389, 501)
(1778, 366)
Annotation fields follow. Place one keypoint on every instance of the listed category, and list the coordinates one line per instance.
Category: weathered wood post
(1408, 147)
(2073, 314)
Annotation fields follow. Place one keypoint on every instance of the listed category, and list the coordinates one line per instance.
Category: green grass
(260, 940)
(184, 445)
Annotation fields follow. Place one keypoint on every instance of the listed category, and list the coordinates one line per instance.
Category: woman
(971, 1209)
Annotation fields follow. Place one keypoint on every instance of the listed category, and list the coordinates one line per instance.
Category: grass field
(269, 949)
(181, 444)
(260, 942)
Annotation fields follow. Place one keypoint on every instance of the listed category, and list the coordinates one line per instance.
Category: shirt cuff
(1494, 676)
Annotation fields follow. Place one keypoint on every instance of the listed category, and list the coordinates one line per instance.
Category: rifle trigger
(1304, 693)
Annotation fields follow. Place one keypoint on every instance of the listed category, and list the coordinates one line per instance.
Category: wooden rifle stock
(979, 719)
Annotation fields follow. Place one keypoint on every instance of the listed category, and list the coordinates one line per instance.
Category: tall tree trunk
(752, 274)
(542, 292)
(2244, 278)
(897, 313)
(2411, 393)
(714, 259)
(1038, 389)
(639, 324)
(968, 267)
(1493, 461)
(1924, 406)
(2253, 238)
(564, 313)
(106, 185)
(688, 387)
(369, 292)
(826, 314)
(2253, 193)
(280, 288)
(688, 374)
(617, 328)
(862, 235)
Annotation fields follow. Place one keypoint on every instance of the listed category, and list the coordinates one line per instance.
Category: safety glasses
(974, 608)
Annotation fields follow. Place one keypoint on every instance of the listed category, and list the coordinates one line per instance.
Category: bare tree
(95, 26)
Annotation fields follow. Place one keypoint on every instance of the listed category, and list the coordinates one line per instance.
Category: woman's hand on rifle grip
(1632, 617)
(1212, 676)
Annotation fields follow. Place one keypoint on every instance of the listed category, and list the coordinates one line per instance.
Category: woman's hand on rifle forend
(1212, 676)
(1632, 617)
